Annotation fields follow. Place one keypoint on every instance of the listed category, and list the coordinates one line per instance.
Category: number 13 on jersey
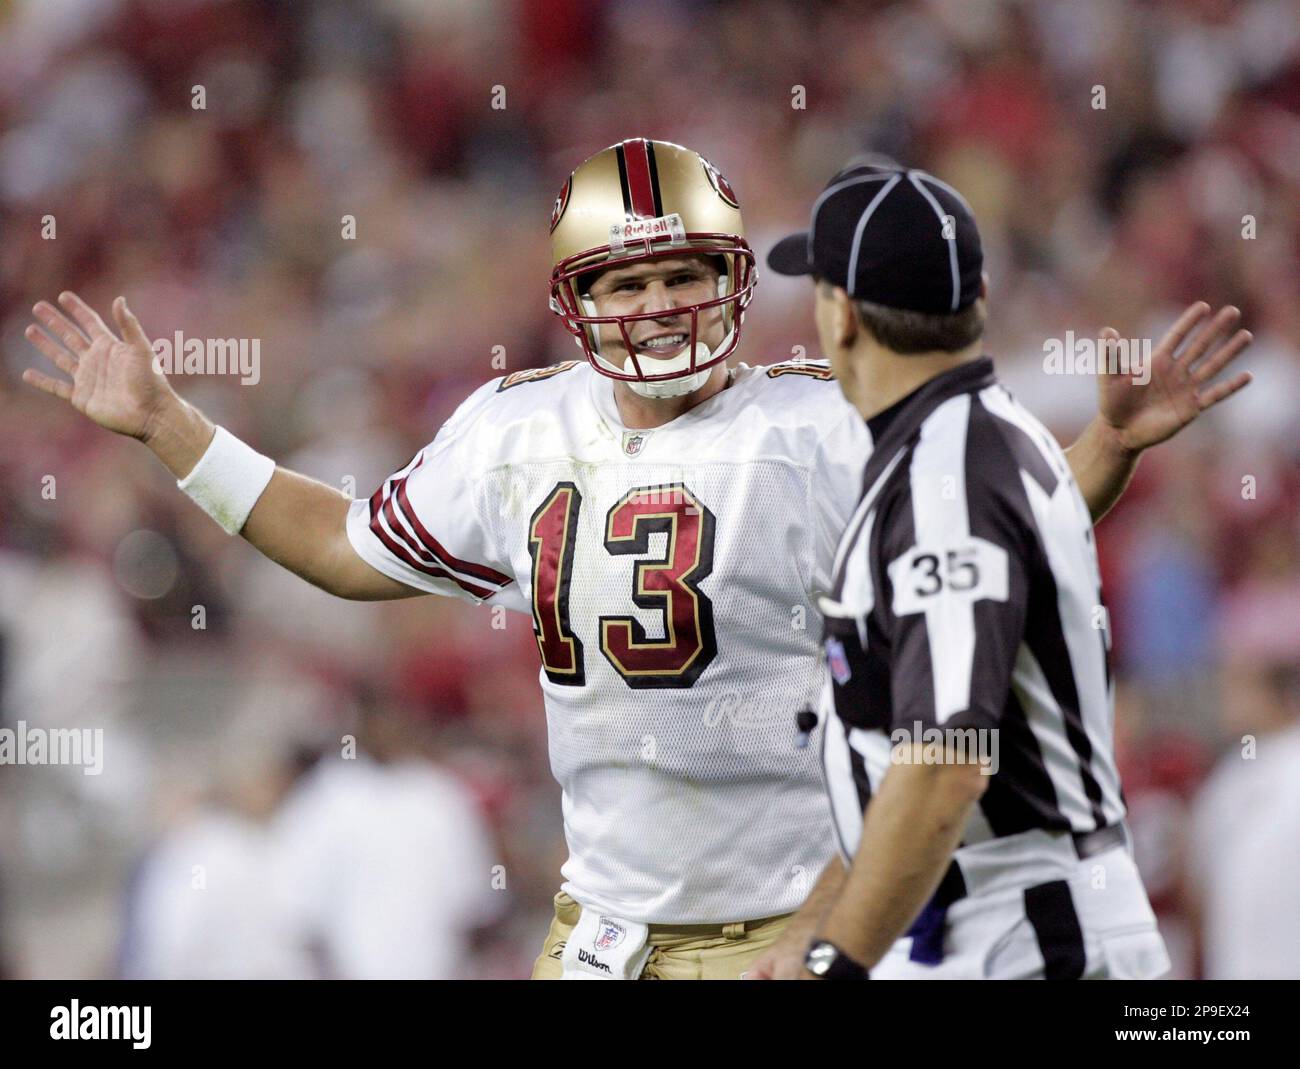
(668, 584)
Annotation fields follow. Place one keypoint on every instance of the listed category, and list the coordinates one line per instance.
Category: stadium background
(226, 222)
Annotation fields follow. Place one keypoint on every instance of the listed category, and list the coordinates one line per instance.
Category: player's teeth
(664, 343)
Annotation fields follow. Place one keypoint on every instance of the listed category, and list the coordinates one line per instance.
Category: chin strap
(672, 387)
(678, 387)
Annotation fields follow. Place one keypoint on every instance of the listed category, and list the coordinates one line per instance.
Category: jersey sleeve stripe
(405, 555)
(438, 550)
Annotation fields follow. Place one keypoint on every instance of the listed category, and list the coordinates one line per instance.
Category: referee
(968, 750)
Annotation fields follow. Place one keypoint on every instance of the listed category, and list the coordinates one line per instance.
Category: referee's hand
(1181, 384)
(782, 961)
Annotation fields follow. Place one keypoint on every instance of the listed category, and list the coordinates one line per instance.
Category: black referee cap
(892, 236)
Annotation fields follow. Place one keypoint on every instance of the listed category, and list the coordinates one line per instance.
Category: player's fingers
(1223, 356)
(1208, 333)
(57, 387)
(86, 317)
(1192, 315)
(1221, 391)
(61, 327)
(57, 355)
(127, 323)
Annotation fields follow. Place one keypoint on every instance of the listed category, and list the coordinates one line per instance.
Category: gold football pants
(680, 951)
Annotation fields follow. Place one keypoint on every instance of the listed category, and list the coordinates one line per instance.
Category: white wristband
(228, 480)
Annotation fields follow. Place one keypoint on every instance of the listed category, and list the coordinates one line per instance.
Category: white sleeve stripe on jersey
(940, 521)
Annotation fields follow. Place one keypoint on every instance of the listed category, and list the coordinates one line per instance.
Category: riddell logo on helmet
(663, 226)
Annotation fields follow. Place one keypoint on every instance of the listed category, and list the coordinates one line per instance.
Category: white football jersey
(671, 575)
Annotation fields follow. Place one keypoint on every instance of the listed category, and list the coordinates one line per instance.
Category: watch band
(828, 962)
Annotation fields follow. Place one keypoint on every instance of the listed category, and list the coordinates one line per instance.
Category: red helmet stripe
(640, 192)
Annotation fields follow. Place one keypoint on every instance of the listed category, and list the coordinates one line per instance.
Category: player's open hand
(1145, 411)
(113, 379)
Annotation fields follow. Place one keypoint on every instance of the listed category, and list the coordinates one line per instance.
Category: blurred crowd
(364, 187)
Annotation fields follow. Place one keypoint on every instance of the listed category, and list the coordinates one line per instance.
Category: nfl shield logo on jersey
(839, 663)
(608, 934)
(633, 442)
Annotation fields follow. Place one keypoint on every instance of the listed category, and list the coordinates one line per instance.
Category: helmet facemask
(687, 371)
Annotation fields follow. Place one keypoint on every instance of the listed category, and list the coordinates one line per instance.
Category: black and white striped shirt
(967, 595)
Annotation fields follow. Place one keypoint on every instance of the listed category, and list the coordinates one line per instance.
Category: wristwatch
(828, 962)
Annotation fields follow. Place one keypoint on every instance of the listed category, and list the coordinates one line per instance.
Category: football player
(665, 519)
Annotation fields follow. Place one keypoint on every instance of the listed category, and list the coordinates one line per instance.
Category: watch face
(820, 958)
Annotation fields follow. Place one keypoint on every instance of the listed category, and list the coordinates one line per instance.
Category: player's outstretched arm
(297, 522)
(1144, 404)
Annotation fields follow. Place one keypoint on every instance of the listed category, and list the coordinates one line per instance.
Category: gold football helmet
(644, 200)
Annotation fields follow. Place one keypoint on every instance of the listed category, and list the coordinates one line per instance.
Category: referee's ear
(845, 323)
